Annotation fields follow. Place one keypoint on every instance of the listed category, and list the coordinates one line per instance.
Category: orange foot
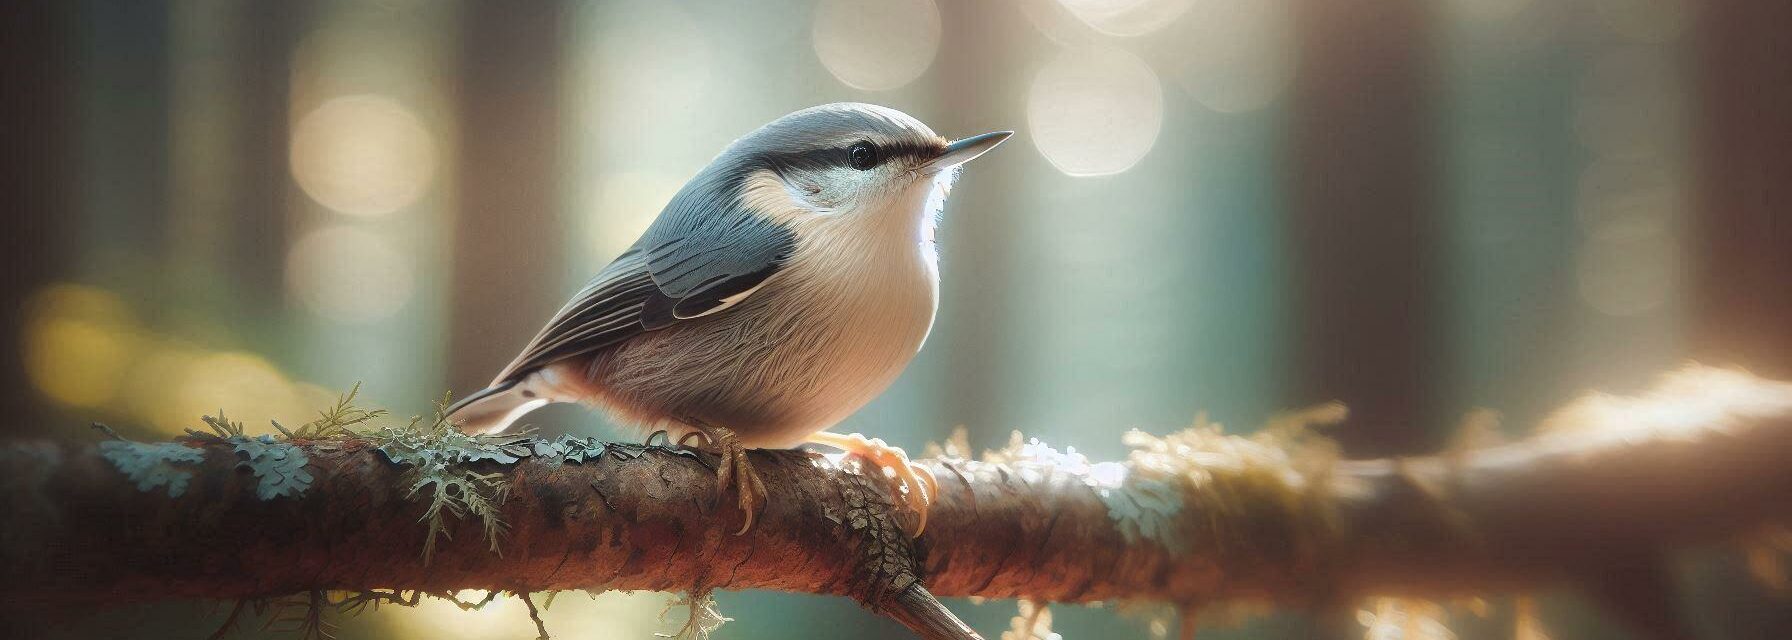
(918, 486)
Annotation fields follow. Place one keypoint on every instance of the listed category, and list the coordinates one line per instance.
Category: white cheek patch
(806, 198)
(843, 188)
(768, 194)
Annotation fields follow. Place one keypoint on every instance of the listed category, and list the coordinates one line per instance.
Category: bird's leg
(919, 487)
(734, 468)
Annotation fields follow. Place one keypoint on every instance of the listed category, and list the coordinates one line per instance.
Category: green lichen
(279, 467)
(432, 446)
(449, 467)
(154, 465)
(440, 459)
(571, 449)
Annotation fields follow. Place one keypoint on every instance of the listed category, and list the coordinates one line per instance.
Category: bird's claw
(734, 468)
(917, 486)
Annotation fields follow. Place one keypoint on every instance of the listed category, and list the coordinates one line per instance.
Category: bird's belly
(794, 358)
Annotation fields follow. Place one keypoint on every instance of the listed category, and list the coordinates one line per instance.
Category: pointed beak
(966, 150)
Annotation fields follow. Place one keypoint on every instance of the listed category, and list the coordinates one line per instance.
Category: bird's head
(846, 165)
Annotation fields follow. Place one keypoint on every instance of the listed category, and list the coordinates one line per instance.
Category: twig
(229, 624)
(541, 628)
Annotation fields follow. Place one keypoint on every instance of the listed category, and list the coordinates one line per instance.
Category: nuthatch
(785, 286)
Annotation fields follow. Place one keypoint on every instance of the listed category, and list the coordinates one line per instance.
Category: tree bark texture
(1610, 483)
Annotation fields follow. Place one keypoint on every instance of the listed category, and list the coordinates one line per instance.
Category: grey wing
(704, 255)
(686, 266)
(604, 312)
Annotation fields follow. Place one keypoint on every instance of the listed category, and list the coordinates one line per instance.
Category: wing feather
(599, 315)
(697, 259)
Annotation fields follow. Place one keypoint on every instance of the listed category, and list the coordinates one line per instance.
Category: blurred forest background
(1418, 207)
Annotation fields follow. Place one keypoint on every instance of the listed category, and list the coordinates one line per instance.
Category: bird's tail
(493, 409)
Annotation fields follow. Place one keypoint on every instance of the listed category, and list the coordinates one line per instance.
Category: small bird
(785, 286)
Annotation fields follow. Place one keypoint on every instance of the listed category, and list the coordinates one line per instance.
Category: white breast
(871, 299)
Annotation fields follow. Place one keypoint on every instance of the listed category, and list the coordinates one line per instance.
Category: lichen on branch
(1192, 519)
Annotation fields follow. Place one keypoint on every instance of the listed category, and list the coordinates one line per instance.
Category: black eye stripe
(905, 150)
(841, 156)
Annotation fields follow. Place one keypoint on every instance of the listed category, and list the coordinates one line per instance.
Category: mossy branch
(1191, 519)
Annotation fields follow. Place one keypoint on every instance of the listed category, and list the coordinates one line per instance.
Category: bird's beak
(966, 150)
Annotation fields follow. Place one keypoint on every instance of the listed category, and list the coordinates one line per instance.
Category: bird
(782, 288)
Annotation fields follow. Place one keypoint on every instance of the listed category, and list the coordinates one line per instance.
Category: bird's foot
(734, 469)
(918, 487)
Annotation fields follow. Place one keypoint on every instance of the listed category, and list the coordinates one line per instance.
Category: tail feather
(492, 410)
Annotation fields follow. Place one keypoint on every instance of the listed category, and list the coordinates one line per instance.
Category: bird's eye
(862, 155)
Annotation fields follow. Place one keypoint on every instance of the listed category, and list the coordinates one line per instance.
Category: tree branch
(1701, 459)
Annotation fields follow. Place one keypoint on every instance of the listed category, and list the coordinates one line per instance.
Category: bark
(1612, 485)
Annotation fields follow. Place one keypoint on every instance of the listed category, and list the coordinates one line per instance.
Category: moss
(1146, 508)
(1263, 493)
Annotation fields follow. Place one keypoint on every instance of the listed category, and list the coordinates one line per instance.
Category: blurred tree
(1744, 155)
(1363, 220)
(1742, 233)
(36, 42)
(508, 235)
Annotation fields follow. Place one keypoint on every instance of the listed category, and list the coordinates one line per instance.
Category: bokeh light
(1127, 17)
(153, 392)
(86, 349)
(1627, 197)
(1234, 56)
(363, 155)
(350, 275)
(78, 342)
(1095, 111)
(245, 386)
(571, 614)
(173, 383)
(877, 45)
(1056, 23)
(1628, 112)
(643, 74)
